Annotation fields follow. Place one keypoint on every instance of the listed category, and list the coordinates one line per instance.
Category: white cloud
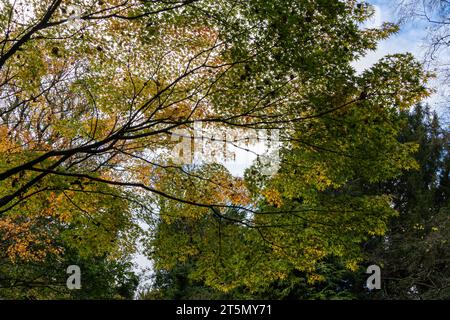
(409, 38)
(376, 20)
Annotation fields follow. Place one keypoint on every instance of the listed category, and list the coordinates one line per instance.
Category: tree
(414, 252)
(435, 15)
(93, 91)
(101, 278)
(37, 248)
(311, 209)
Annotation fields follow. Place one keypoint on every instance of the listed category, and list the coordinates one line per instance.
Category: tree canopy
(92, 94)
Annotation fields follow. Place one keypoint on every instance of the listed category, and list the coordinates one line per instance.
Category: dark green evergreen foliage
(415, 253)
(101, 278)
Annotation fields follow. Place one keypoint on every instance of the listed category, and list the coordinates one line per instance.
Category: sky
(411, 38)
(408, 39)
